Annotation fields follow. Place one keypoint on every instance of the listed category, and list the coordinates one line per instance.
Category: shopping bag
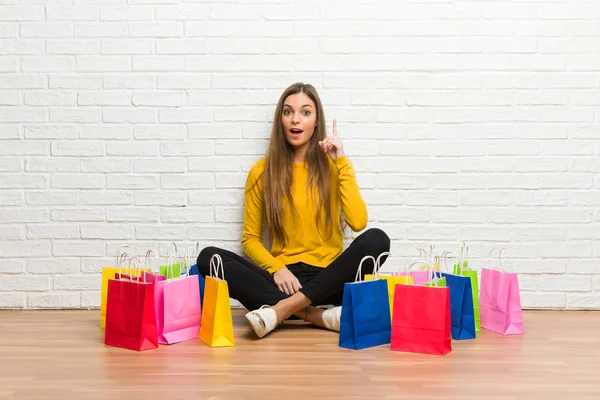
(427, 275)
(216, 326)
(171, 271)
(423, 275)
(365, 320)
(178, 307)
(421, 320)
(462, 268)
(461, 306)
(123, 252)
(500, 301)
(195, 271)
(201, 281)
(130, 314)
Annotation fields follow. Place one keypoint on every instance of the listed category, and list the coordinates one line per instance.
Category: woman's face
(299, 118)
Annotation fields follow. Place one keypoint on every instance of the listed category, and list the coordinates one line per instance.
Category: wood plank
(61, 355)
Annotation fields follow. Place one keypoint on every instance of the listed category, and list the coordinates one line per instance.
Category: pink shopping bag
(423, 275)
(420, 278)
(500, 302)
(178, 307)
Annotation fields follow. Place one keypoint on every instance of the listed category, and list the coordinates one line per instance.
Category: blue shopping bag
(191, 256)
(194, 271)
(365, 320)
(462, 315)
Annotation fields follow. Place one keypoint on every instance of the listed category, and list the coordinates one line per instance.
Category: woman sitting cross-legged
(301, 188)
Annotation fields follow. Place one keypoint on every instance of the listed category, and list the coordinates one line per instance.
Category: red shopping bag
(123, 253)
(421, 320)
(130, 315)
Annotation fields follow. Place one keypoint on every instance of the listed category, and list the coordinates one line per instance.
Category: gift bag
(461, 302)
(391, 280)
(421, 320)
(500, 301)
(429, 277)
(123, 252)
(130, 314)
(171, 271)
(177, 307)
(365, 320)
(461, 306)
(462, 268)
(216, 327)
(421, 276)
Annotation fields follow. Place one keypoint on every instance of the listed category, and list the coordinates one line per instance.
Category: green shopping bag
(462, 268)
(437, 280)
(173, 271)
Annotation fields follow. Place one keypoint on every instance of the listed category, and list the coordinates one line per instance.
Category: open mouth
(296, 131)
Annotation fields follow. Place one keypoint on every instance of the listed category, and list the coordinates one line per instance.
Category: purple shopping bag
(500, 302)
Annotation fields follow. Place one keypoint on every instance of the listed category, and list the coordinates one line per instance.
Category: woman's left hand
(332, 145)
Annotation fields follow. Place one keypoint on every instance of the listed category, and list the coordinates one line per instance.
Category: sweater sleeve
(353, 205)
(253, 215)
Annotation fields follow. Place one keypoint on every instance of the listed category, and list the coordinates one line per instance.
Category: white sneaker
(263, 320)
(331, 318)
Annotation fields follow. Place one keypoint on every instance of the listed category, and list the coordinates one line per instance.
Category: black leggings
(253, 286)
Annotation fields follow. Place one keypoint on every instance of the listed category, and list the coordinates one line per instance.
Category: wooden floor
(61, 355)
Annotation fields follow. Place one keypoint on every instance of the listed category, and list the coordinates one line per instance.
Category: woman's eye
(286, 112)
(306, 112)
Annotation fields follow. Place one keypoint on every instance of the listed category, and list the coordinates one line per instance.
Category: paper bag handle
(508, 268)
(445, 259)
(190, 257)
(502, 249)
(138, 270)
(215, 266)
(431, 271)
(359, 269)
(194, 254)
(428, 253)
(134, 253)
(182, 264)
(123, 258)
(148, 260)
(378, 264)
(464, 256)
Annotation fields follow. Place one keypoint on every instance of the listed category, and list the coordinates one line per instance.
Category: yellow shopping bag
(216, 325)
(392, 281)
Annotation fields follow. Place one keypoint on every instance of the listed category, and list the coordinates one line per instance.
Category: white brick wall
(137, 121)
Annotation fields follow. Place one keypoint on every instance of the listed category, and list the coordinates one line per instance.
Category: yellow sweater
(304, 242)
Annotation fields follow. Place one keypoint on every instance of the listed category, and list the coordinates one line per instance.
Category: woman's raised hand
(332, 145)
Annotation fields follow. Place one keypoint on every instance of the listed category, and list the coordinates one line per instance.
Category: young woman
(300, 189)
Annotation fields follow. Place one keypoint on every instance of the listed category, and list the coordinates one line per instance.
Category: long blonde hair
(277, 175)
